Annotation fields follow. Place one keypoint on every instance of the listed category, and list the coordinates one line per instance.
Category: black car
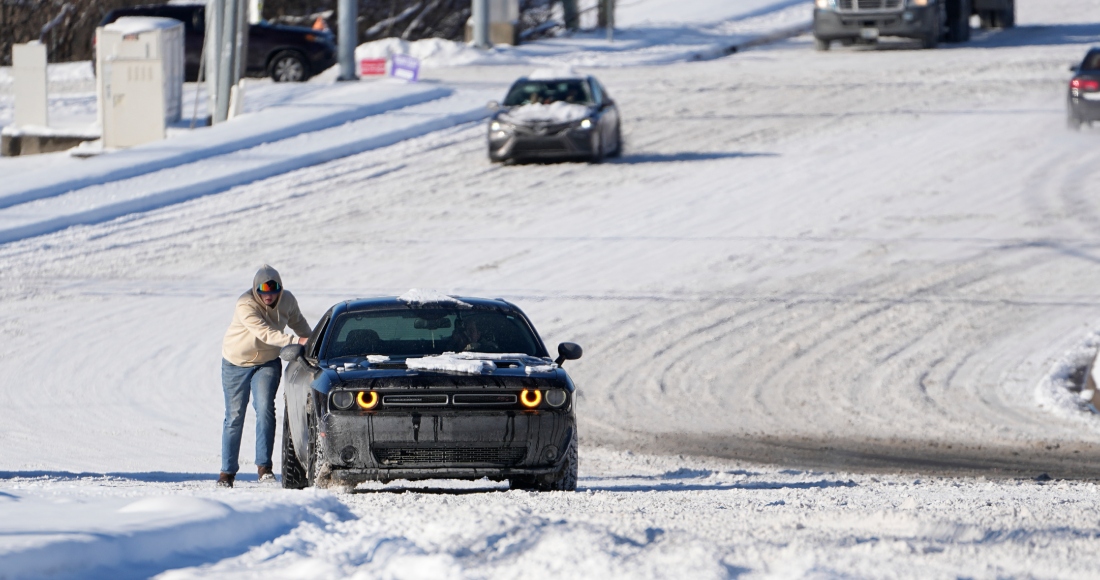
(1084, 91)
(285, 53)
(548, 116)
(428, 388)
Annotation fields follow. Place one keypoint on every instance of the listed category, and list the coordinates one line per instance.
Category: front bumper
(915, 22)
(498, 445)
(526, 143)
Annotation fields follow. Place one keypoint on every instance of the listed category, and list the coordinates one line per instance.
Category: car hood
(553, 114)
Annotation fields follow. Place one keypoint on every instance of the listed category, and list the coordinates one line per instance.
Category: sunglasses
(269, 287)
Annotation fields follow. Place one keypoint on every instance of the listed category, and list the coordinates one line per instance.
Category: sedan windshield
(546, 92)
(429, 332)
(1092, 61)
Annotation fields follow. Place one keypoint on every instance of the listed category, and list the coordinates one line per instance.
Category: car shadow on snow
(146, 477)
(682, 156)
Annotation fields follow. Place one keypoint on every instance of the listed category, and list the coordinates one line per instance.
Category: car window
(428, 331)
(1092, 61)
(597, 92)
(314, 344)
(545, 92)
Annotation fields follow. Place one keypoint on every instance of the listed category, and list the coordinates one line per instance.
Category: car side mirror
(291, 352)
(568, 351)
(492, 105)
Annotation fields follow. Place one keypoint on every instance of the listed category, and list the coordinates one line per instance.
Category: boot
(226, 479)
(265, 474)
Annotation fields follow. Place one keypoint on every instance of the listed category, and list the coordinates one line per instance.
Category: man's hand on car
(302, 340)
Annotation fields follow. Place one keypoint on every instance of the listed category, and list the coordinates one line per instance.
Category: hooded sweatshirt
(256, 333)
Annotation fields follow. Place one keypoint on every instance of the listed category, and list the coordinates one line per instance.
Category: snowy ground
(868, 267)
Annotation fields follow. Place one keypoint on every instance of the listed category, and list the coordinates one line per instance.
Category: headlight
(556, 397)
(586, 124)
(530, 398)
(825, 3)
(367, 399)
(343, 400)
(496, 126)
(920, 2)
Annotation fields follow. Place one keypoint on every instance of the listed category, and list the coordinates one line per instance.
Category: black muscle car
(428, 387)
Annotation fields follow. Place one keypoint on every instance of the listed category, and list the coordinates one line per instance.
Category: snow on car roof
(418, 296)
(555, 74)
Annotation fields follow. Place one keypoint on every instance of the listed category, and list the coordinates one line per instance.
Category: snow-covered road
(857, 261)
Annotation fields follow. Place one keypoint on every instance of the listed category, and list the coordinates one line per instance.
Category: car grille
(868, 5)
(478, 399)
(430, 455)
(540, 146)
(414, 400)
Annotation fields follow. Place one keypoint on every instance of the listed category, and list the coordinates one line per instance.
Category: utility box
(139, 65)
(29, 69)
(503, 23)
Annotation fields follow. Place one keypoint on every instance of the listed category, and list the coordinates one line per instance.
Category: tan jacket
(256, 333)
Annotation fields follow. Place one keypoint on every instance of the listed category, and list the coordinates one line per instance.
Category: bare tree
(22, 21)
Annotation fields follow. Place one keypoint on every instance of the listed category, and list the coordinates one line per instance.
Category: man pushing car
(251, 365)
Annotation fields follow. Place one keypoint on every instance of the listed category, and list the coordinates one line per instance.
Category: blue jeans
(262, 382)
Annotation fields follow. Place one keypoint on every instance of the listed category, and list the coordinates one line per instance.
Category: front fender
(300, 383)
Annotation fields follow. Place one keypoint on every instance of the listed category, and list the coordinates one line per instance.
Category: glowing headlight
(825, 3)
(343, 400)
(919, 2)
(367, 399)
(555, 397)
(496, 126)
(530, 398)
(586, 124)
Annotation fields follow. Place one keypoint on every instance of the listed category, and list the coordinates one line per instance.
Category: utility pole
(572, 18)
(228, 72)
(610, 20)
(481, 23)
(215, 13)
(347, 30)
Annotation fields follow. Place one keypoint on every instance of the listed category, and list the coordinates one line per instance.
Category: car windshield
(546, 92)
(1092, 61)
(429, 331)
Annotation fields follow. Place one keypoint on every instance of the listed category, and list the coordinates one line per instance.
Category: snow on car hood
(559, 112)
(477, 363)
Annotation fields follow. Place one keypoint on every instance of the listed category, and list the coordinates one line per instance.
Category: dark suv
(286, 53)
(1084, 91)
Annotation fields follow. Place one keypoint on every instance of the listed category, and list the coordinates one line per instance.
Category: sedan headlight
(367, 399)
(586, 124)
(825, 3)
(499, 127)
(920, 2)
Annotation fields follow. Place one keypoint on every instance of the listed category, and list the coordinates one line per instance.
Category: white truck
(929, 21)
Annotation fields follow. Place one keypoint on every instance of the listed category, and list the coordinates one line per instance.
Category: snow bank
(717, 29)
(450, 363)
(108, 534)
(559, 112)
(1060, 393)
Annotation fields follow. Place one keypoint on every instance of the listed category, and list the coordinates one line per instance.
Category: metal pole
(569, 10)
(227, 72)
(215, 11)
(611, 20)
(347, 38)
(481, 23)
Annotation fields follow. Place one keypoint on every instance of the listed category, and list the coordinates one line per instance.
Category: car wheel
(317, 472)
(566, 479)
(597, 147)
(958, 22)
(821, 45)
(1008, 16)
(288, 67)
(618, 150)
(294, 475)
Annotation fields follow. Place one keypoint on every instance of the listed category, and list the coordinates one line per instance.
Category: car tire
(288, 67)
(317, 472)
(822, 45)
(1008, 16)
(597, 148)
(618, 150)
(294, 475)
(566, 479)
(958, 22)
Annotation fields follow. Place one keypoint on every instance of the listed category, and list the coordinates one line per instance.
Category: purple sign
(405, 67)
